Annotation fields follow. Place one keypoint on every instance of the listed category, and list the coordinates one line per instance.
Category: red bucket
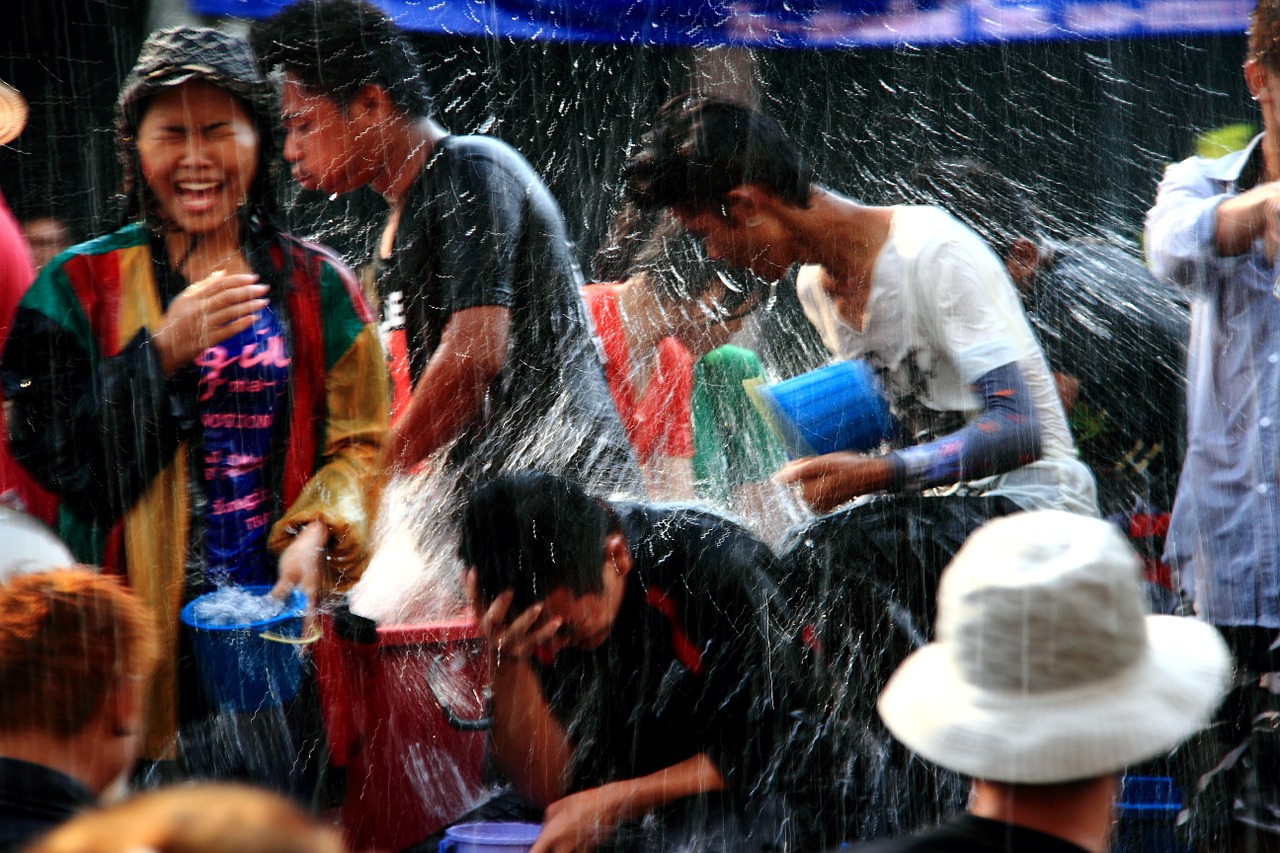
(404, 710)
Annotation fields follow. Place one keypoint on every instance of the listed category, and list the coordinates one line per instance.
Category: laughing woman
(204, 392)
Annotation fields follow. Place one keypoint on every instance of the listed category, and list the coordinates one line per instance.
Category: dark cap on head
(172, 57)
(175, 56)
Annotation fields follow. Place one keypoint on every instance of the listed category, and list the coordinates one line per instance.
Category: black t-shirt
(697, 661)
(969, 834)
(1102, 318)
(33, 800)
(479, 228)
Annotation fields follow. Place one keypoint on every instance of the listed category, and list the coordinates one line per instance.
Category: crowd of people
(694, 643)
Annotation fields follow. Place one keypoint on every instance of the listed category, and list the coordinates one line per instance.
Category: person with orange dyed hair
(207, 818)
(76, 651)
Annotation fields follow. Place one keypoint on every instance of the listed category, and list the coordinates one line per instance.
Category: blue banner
(796, 23)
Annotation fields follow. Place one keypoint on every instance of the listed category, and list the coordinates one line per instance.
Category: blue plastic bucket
(253, 666)
(491, 837)
(836, 407)
(1146, 816)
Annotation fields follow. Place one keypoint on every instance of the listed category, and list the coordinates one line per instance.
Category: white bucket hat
(13, 113)
(29, 546)
(1045, 666)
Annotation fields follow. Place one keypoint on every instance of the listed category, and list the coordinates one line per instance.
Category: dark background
(1086, 126)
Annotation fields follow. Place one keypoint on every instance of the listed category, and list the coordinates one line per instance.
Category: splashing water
(1083, 126)
(232, 605)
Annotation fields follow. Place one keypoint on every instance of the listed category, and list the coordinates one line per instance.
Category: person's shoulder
(967, 833)
(680, 523)
(928, 239)
(95, 259)
(317, 253)
(923, 230)
(924, 220)
(941, 839)
(484, 151)
(326, 270)
(130, 236)
(1209, 172)
(600, 293)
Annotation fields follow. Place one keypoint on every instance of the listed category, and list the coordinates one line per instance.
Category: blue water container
(837, 407)
(253, 666)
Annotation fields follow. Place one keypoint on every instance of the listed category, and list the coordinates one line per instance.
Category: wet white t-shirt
(941, 313)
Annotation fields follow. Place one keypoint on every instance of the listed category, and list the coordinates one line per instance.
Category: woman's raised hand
(206, 314)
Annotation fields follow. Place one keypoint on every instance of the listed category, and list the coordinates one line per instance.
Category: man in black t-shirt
(639, 668)
(486, 335)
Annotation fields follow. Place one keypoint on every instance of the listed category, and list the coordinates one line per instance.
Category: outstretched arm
(1004, 437)
(581, 821)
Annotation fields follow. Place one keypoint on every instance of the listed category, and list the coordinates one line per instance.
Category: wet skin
(325, 143)
(199, 155)
(752, 239)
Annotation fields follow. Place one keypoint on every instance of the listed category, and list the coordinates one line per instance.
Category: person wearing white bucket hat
(1046, 679)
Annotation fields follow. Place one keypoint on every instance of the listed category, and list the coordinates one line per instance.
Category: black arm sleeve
(94, 431)
(1006, 436)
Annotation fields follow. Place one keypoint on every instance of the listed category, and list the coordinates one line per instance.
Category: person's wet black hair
(980, 197)
(337, 47)
(674, 263)
(534, 533)
(699, 148)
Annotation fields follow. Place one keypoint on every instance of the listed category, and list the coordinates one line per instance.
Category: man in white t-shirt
(922, 299)
(909, 289)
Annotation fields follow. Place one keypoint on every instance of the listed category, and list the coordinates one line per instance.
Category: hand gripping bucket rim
(253, 665)
(490, 837)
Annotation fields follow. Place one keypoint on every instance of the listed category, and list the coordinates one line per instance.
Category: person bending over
(677, 382)
(638, 668)
(923, 300)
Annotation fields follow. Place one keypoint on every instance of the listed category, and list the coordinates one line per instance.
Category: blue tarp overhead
(796, 23)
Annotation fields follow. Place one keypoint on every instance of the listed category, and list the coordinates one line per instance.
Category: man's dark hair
(337, 47)
(699, 148)
(534, 533)
(1264, 33)
(980, 197)
(674, 263)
